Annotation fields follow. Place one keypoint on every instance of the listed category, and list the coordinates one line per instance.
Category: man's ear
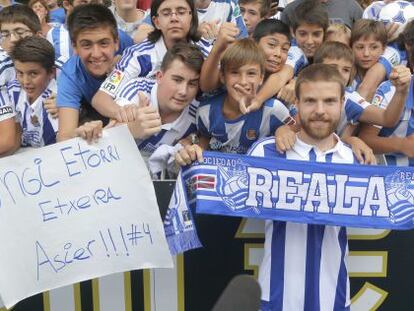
(159, 75)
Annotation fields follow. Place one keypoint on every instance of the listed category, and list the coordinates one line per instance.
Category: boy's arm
(361, 150)
(272, 86)
(400, 77)
(210, 75)
(10, 137)
(68, 123)
(380, 145)
(374, 76)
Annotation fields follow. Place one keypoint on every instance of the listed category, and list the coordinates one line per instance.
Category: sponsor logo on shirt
(376, 101)
(251, 134)
(114, 80)
(5, 110)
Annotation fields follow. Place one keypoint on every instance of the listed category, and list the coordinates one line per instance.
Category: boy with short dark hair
(308, 30)
(94, 35)
(253, 11)
(16, 22)
(34, 63)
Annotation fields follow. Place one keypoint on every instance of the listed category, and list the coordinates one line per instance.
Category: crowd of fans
(211, 74)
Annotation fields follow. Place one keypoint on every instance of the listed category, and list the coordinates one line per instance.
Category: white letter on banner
(291, 190)
(376, 199)
(317, 199)
(260, 183)
(339, 198)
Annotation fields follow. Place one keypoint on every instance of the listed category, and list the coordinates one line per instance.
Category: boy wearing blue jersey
(34, 63)
(220, 122)
(94, 36)
(304, 266)
(164, 109)
(309, 29)
(175, 21)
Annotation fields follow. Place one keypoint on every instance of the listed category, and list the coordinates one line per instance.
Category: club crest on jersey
(400, 196)
(251, 134)
(34, 120)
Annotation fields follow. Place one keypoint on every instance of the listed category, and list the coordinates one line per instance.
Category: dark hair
(366, 27)
(193, 34)
(34, 49)
(240, 53)
(20, 14)
(91, 16)
(187, 53)
(310, 12)
(264, 5)
(270, 26)
(407, 37)
(319, 72)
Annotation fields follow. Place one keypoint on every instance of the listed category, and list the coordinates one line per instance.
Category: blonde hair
(240, 53)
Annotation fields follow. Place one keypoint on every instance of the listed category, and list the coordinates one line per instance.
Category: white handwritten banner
(72, 211)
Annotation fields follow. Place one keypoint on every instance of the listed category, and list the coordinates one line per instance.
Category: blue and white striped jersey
(38, 127)
(372, 11)
(170, 133)
(405, 126)
(304, 266)
(393, 55)
(296, 59)
(237, 136)
(59, 37)
(6, 108)
(354, 105)
(141, 60)
(7, 74)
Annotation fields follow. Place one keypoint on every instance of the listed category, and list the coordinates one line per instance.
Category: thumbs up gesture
(147, 120)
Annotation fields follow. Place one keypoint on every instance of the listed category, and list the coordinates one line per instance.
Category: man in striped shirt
(304, 266)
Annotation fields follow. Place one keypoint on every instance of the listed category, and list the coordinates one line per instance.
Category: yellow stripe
(95, 294)
(46, 301)
(77, 297)
(180, 283)
(147, 290)
(127, 291)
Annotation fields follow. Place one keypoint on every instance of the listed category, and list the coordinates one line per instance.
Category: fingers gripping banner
(296, 191)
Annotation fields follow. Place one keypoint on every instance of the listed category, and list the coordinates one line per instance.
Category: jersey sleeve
(69, 95)
(383, 95)
(389, 59)
(7, 72)
(6, 106)
(202, 120)
(355, 105)
(128, 67)
(296, 59)
(280, 115)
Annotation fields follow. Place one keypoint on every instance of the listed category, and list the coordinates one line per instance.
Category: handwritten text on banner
(72, 211)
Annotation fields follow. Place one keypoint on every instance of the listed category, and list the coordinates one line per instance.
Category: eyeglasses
(180, 13)
(18, 33)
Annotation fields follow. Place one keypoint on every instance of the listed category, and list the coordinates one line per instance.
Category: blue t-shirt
(57, 16)
(75, 84)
